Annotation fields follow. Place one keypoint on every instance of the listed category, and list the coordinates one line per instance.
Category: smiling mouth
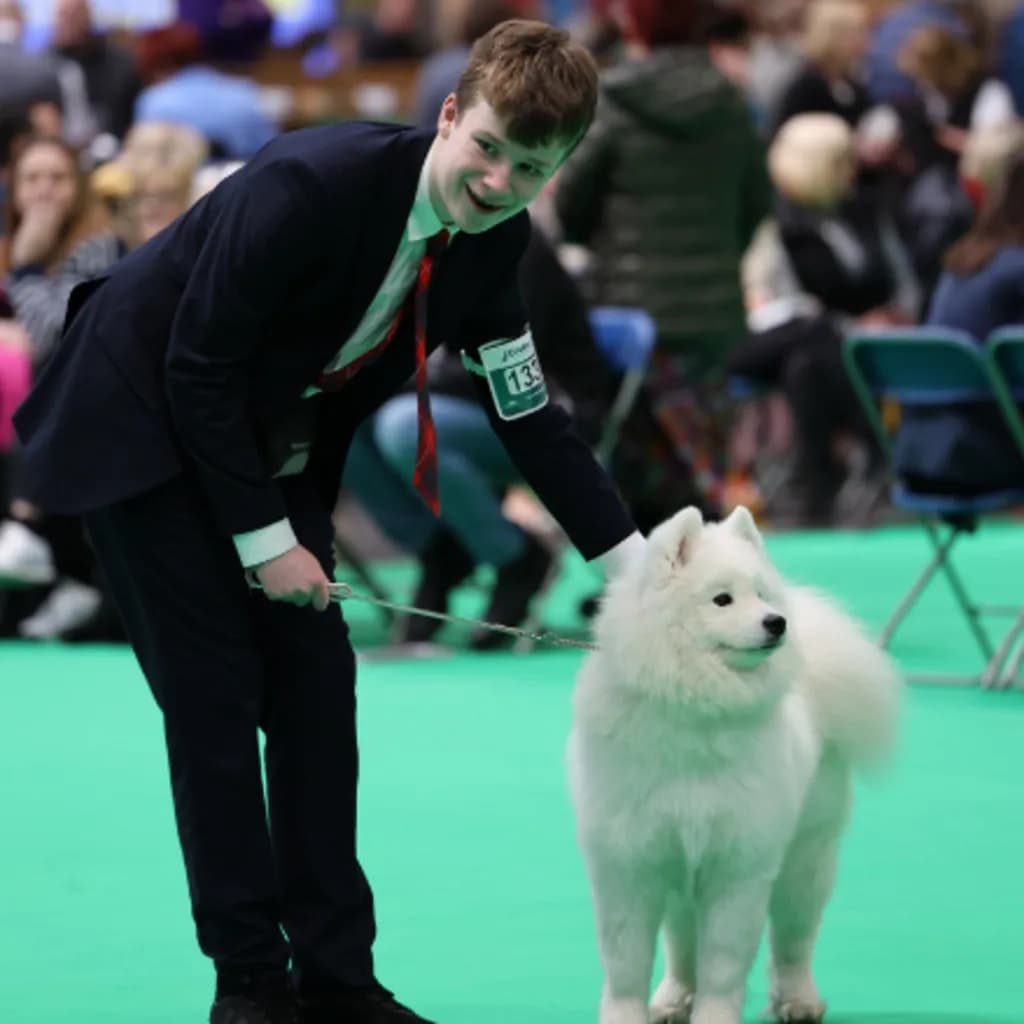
(480, 204)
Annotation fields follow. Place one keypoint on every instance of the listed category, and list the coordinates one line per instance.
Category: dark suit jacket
(201, 342)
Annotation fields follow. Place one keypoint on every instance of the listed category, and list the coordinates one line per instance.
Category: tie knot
(440, 240)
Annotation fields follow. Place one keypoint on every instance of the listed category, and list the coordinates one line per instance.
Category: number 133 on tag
(514, 376)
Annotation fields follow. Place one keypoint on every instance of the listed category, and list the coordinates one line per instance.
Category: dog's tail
(854, 687)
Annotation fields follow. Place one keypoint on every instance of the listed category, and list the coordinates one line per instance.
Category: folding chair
(1004, 353)
(921, 367)
(625, 335)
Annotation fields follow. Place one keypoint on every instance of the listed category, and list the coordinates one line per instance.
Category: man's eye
(488, 147)
(722, 599)
(532, 172)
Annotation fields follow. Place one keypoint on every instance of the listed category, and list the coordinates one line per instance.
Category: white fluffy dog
(714, 735)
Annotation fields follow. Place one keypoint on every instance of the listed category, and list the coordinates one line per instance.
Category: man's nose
(497, 177)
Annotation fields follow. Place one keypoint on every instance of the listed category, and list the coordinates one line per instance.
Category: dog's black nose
(775, 624)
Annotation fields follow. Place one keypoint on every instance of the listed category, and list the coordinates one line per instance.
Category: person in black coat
(197, 412)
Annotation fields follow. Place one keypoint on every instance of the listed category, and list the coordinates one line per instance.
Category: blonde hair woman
(833, 43)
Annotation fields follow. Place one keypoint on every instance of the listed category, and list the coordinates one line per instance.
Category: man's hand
(296, 577)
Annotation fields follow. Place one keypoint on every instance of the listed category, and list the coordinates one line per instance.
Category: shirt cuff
(616, 559)
(257, 546)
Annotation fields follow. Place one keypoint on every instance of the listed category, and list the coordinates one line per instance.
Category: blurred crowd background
(762, 179)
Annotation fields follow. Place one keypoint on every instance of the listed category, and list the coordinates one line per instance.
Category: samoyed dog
(715, 732)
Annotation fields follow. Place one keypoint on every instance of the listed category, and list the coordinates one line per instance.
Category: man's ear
(448, 116)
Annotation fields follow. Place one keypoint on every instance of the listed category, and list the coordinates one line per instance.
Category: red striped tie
(425, 471)
(424, 474)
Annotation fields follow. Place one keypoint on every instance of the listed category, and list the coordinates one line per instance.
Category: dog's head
(702, 615)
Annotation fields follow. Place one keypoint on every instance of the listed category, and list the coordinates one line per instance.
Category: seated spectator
(153, 179)
(955, 97)
(834, 42)
(968, 449)
(57, 238)
(183, 89)
(98, 72)
(829, 260)
(473, 467)
(956, 93)
(36, 549)
(886, 82)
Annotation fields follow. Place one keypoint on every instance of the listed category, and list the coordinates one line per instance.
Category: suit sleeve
(263, 240)
(546, 449)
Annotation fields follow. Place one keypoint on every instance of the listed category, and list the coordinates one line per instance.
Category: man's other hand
(296, 577)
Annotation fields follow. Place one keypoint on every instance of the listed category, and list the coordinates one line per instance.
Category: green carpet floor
(467, 835)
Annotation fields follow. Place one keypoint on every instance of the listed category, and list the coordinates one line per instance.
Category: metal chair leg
(1011, 676)
(942, 547)
(969, 609)
(994, 676)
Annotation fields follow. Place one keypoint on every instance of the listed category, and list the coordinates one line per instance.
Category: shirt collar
(423, 221)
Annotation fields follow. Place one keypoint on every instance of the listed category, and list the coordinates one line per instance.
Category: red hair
(664, 22)
(163, 51)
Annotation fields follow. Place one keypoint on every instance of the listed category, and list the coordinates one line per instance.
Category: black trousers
(223, 663)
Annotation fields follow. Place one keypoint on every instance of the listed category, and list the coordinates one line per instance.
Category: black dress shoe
(264, 998)
(514, 588)
(444, 564)
(374, 1005)
(255, 1010)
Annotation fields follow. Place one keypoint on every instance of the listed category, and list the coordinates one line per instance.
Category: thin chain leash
(341, 592)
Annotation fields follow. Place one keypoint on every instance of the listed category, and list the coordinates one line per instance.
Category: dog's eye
(722, 599)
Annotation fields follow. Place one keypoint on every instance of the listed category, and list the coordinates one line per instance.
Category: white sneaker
(25, 558)
(69, 604)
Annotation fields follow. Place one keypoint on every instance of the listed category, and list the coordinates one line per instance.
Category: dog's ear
(741, 522)
(688, 524)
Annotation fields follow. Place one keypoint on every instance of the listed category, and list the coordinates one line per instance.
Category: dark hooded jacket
(667, 189)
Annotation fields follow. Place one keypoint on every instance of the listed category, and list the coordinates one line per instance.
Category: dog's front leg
(628, 904)
(730, 921)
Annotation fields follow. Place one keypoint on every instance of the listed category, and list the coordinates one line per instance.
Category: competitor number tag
(514, 376)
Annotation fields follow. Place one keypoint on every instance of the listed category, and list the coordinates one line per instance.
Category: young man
(198, 412)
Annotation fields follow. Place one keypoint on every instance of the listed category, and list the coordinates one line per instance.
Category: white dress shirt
(257, 546)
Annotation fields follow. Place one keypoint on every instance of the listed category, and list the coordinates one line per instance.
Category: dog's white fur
(711, 773)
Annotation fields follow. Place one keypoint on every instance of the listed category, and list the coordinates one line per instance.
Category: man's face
(479, 176)
(72, 22)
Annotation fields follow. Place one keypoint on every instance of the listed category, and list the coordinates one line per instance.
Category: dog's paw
(798, 1011)
(672, 1003)
(623, 1011)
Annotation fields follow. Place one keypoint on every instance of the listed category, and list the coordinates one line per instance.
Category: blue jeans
(472, 468)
